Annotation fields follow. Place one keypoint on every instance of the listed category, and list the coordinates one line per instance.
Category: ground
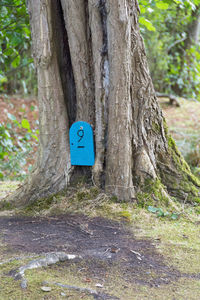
(123, 251)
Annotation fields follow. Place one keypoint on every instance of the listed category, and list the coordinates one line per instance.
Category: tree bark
(92, 67)
(186, 57)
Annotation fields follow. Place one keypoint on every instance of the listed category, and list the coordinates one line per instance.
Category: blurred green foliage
(17, 73)
(173, 58)
(17, 140)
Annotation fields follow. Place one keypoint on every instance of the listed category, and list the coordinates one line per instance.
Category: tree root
(94, 293)
(49, 259)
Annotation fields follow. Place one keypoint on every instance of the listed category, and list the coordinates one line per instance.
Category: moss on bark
(176, 175)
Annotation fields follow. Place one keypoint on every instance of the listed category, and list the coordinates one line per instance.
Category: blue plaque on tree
(81, 144)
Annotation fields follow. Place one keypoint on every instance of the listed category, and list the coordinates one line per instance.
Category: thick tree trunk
(92, 67)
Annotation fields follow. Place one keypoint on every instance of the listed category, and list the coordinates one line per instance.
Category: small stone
(46, 289)
(99, 285)
(114, 249)
(63, 294)
(23, 284)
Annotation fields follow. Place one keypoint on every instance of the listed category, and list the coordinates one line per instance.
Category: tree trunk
(92, 67)
(186, 57)
(193, 33)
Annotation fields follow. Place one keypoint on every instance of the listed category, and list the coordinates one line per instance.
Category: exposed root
(79, 289)
(89, 291)
(49, 259)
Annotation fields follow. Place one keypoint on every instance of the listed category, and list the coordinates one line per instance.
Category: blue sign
(81, 144)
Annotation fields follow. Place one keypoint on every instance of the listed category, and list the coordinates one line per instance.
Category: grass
(178, 241)
(37, 279)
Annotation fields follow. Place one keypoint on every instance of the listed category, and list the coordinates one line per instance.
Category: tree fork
(92, 66)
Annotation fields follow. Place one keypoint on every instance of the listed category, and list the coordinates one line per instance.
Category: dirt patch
(102, 243)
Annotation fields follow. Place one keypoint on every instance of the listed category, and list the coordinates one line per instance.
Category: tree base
(81, 188)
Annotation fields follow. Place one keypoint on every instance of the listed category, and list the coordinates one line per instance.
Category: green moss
(152, 193)
(156, 127)
(180, 181)
(172, 144)
(43, 203)
(5, 205)
(188, 187)
(87, 194)
(144, 199)
(165, 126)
(194, 179)
(177, 156)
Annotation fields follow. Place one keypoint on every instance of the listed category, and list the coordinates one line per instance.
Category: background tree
(92, 66)
(17, 72)
(171, 33)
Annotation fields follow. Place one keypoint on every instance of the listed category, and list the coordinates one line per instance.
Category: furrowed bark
(76, 20)
(97, 23)
(119, 161)
(146, 112)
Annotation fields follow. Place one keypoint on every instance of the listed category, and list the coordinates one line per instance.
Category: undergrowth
(17, 141)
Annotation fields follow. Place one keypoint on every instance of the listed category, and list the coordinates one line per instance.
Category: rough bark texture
(92, 67)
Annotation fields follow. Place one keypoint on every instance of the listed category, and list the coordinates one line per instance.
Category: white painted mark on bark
(106, 80)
